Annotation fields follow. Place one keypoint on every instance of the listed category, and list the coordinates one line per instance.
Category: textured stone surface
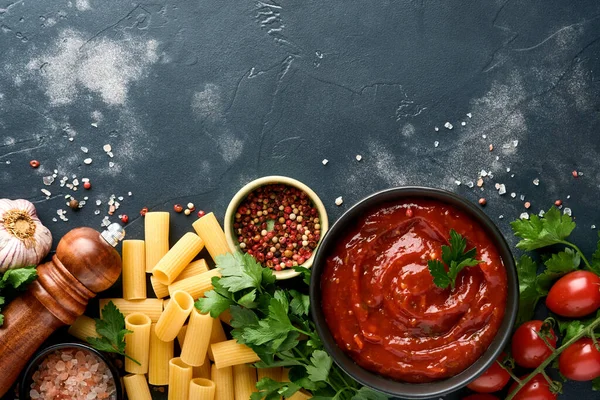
(198, 98)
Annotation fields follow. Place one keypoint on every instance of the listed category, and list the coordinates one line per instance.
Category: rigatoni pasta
(271, 373)
(231, 352)
(223, 379)
(202, 389)
(136, 387)
(151, 307)
(160, 355)
(217, 334)
(170, 266)
(134, 270)
(156, 235)
(197, 285)
(194, 268)
(180, 375)
(174, 316)
(160, 290)
(137, 343)
(83, 328)
(197, 338)
(244, 381)
(210, 231)
(181, 335)
(203, 371)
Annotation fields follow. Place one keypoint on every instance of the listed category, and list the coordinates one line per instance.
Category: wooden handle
(84, 264)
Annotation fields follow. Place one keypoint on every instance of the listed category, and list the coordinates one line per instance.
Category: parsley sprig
(455, 258)
(275, 323)
(14, 281)
(111, 328)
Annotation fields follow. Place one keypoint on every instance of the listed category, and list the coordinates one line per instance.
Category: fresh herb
(111, 328)
(12, 282)
(553, 228)
(454, 258)
(275, 324)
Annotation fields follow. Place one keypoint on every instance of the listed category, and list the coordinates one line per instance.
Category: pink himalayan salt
(72, 374)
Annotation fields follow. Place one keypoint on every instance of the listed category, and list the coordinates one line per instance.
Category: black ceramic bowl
(378, 382)
(32, 366)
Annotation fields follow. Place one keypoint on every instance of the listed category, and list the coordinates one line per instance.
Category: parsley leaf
(111, 328)
(573, 327)
(455, 257)
(239, 271)
(529, 290)
(321, 364)
(596, 384)
(300, 303)
(14, 281)
(559, 264)
(537, 232)
(364, 393)
(595, 266)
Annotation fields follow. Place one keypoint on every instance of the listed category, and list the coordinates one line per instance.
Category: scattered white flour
(104, 66)
(385, 164)
(230, 147)
(97, 116)
(207, 103)
(408, 130)
(83, 5)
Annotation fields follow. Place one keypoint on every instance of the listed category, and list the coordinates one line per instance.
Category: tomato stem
(586, 331)
(512, 375)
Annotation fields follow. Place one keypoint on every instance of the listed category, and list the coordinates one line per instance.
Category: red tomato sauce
(382, 306)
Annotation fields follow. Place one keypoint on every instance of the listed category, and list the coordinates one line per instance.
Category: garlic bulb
(24, 241)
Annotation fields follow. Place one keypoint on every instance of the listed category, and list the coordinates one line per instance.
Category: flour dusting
(408, 130)
(385, 165)
(207, 103)
(83, 5)
(104, 66)
(230, 147)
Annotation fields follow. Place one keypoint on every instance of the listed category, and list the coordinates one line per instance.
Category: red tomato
(580, 361)
(480, 396)
(536, 389)
(492, 380)
(574, 295)
(528, 349)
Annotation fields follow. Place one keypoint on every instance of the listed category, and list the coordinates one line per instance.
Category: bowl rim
(270, 180)
(34, 362)
(390, 386)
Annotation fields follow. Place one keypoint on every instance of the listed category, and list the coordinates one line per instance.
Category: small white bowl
(270, 180)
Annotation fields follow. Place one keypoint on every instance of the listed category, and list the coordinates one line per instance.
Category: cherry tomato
(480, 396)
(528, 348)
(580, 361)
(536, 389)
(574, 295)
(492, 380)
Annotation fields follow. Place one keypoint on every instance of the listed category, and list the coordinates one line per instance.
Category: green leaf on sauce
(455, 259)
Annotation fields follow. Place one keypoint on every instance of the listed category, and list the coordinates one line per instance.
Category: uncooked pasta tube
(174, 316)
(137, 387)
(210, 231)
(137, 343)
(197, 338)
(151, 307)
(83, 328)
(202, 389)
(160, 355)
(197, 285)
(223, 379)
(156, 236)
(231, 352)
(180, 375)
(244, 381)
(134, 270)
(170, 266)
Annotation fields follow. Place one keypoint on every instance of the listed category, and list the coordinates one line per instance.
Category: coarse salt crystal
(470, 184)
(541, 213)
(129, 194)
(567, 211)
(448, 125)
(484, 136)
(568, 196)
(339, 201)
(84, 149)
(463, 123)
(469, 115)
(87, 161)
(46, 192)
(515, 143)
(536, 181)
(513, 195)
(48, 180)
(358, 157)
(436, 129)
(436, 143)
(54, 219)
(522, 197)
(457, 182)
(500, 216)
(524, 216)
(508, 169)
(94, 124)
(107, 148)
(502, 189)
(593, 227)
(497, 186)
(483, 173)
(111, 164)
(325, 161)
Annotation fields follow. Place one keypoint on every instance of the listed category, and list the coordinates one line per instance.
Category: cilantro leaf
(300, 303)
(455, 257)
(14, 281)
(215, 301)
(111, 328)
(321, 364)
(529, 291)
(364, 393)
(439, 273)
(18, 278)
(537, 232)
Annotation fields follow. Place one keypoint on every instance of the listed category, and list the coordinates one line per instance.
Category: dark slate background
(197, 98)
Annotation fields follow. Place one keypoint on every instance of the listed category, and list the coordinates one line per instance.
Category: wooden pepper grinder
(85, 263)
